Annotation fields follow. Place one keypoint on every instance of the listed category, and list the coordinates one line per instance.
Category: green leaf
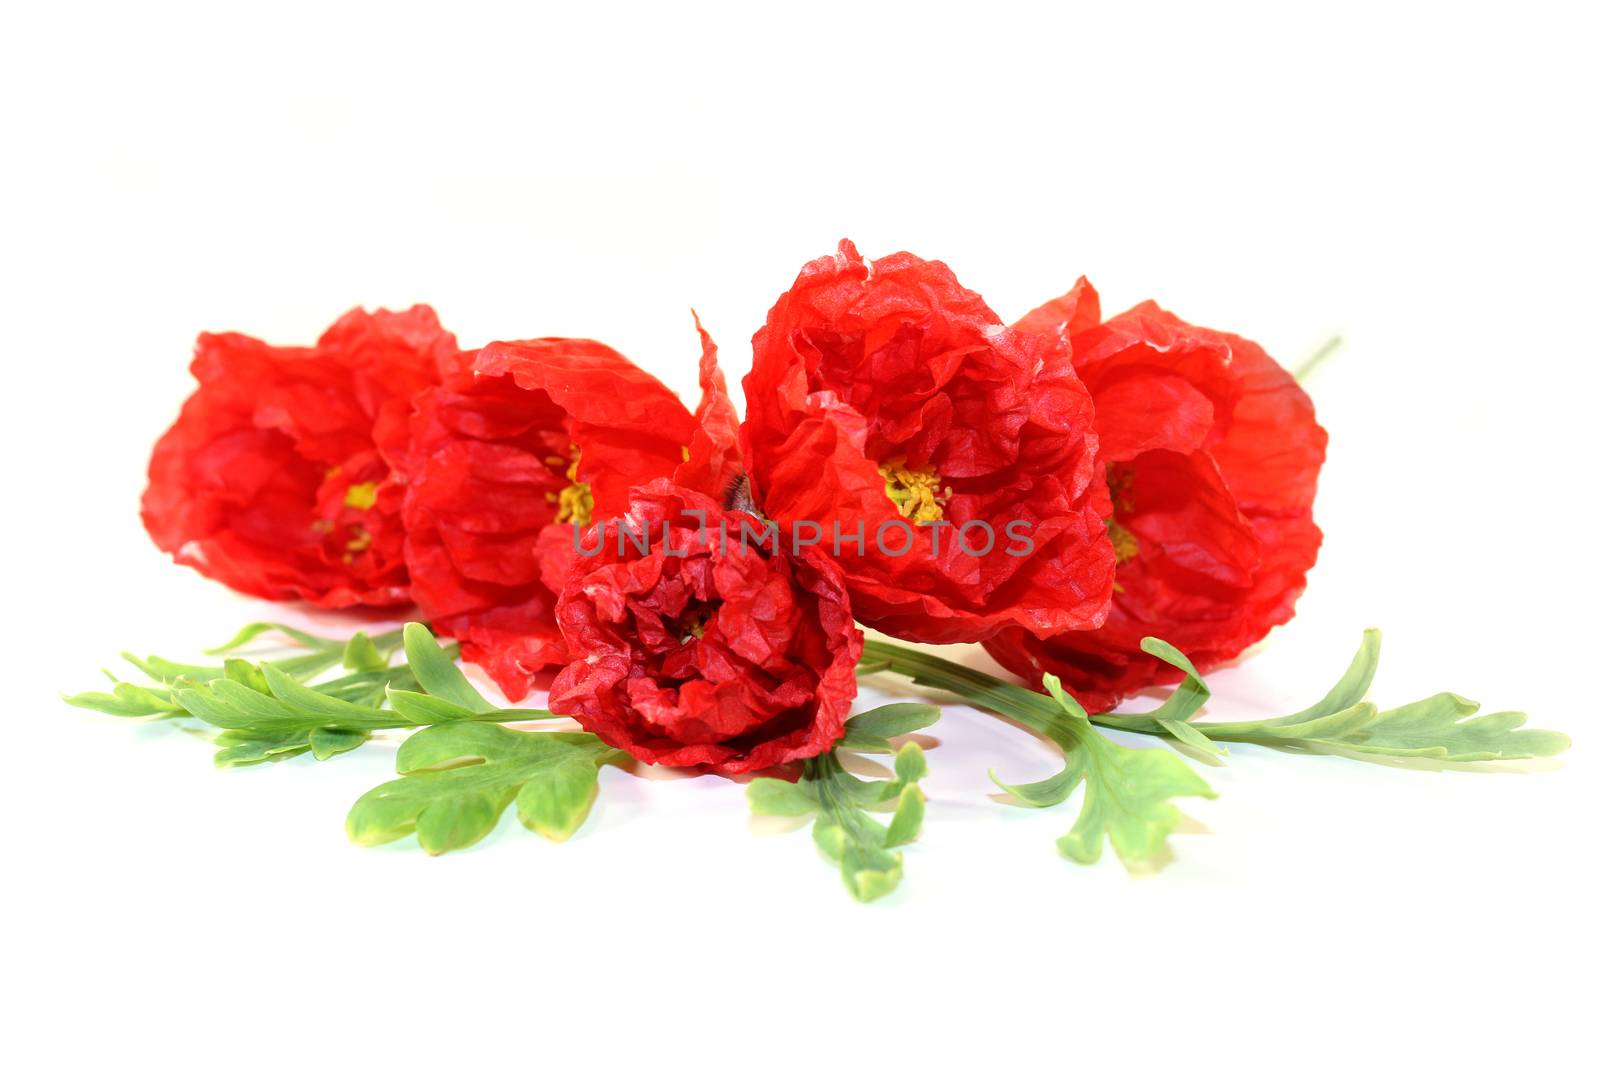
(1127, 792)
(907, 821)
(838, 801)
(324, 652)
(910, 765)
(1190, 696)
(555, 802)
(230, 705)
(1064, 700)
(1293, 728)
(246, 674)
(437, 672)
(424, 709)
(328, 741)
(128, 701)
(1446, 727)
(273, 710)
(870, 871)
(459, 777)
(1188, 735)
(1441, 727)
(1352, 687)
(320, 709)
(774, 796)
(871, 730)
(1127, 796)
(244, 747)
(287, 706)
(360, 654)
(255, 629)
(1046, 793)
(369, 688)
(248, 746)
(166, 671)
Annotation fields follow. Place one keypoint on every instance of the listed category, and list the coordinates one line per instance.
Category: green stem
(1138, 724)
(515, 715)
(1311, 362)
(1022, 706)
(380, 721)
(1036, 711)
(821, 771)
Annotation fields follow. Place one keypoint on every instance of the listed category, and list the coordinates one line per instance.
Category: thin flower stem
(516, 715)
(1136, 724)
(1310, 363)
(1034, 711)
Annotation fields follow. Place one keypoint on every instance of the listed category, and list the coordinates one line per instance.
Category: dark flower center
(693, 621)
(1119, 480)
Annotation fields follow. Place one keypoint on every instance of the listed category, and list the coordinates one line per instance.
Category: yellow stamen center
(1119, 480)
(575, 503)
(361, 496)
(1123, 543)
(360, 541)
(916, 493)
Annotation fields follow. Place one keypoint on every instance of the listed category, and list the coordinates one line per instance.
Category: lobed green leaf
(459, 777)
(1127, 792)
(1441, 727)
(838, 801)
(239, 748)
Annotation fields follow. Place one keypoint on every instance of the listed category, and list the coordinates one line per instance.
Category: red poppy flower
(276, 479)
(714, 648)
(1211, 457)
(522, 441)
(886, 400)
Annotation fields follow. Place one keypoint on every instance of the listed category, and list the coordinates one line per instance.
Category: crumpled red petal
(712, 460)
(519, 433)
(704, 652)
(277, 477)
(1213, 454)
(892, 364)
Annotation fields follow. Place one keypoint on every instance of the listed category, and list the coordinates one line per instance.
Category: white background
(1419, 180)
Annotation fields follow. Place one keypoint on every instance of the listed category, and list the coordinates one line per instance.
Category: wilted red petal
(712, 460)
(1156, 382)
(1073, 312)
(891, 372)
(277, 477)
(704, 651)
(492, 488)
(1215, 452)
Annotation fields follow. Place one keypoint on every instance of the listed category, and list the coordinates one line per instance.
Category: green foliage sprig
(268, 709)
(838, 802)
(462, 767)
(1127, 792)
(1444, 726)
